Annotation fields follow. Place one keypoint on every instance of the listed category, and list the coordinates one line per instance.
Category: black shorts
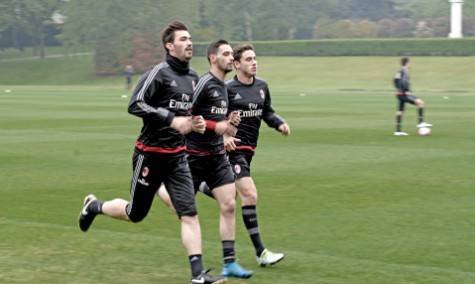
(241, 163)
(149, 171)
(403, 99)
(215, 170)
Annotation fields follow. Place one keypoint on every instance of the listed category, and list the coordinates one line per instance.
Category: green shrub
(362, 47)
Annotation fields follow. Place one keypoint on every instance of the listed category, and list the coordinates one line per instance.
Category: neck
(245, 79)
(177, 64)
(220, 74)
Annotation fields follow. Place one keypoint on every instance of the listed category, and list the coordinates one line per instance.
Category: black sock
(228, 251)
(96, 207)
(421, 114)
(196, 264)
(249, 215)
(398, 122)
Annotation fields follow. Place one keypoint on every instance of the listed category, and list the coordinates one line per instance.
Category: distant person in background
(404, 95)
(128, 72)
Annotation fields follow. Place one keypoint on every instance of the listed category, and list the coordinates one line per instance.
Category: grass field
(344, 199)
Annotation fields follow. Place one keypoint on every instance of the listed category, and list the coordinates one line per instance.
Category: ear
(170, 46)
(212, 57)
(236, 64)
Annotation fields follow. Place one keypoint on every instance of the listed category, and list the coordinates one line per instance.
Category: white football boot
(400, 133)
(269, 258)
(424, 124)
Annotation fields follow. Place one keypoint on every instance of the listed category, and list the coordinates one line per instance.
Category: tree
(31, 17)
(366, 9)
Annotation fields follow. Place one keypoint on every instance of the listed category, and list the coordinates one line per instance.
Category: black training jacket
(162, 93)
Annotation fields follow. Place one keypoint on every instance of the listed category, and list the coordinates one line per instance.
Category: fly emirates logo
(184, 104)
(220, 110)
(253, 111)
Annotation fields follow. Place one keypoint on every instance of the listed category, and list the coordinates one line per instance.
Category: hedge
(361, 47)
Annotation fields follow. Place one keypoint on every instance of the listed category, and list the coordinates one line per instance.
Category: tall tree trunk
(42, 42)
(248, 25)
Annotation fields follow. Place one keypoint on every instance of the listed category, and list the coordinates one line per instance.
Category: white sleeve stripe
(145, 107)
(200, 87)
(202, 81)
(149, 80)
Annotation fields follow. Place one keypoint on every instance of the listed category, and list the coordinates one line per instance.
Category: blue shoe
(233, 269)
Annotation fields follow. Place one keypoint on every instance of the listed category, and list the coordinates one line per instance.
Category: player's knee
(228, 206)
(420, 103)
(249, 197)
(136, 217)
(399, 112)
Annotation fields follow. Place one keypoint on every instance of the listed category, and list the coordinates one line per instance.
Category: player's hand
(198, 124)
(230, 142)
(284, 129)
(225, 127)
(234, 118)
(182, 124)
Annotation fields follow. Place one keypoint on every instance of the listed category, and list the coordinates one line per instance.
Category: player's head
(405, 61)
(177, 41)
(245, 60)
(220, 54)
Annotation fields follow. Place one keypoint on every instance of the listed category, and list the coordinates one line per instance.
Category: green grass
(344, 199)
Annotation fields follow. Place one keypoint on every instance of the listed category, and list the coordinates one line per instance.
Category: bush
(361, 47)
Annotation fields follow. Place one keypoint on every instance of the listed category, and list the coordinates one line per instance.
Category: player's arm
(272, 119)
(224, 127)
(148, 85)
(139, 106)
(219, 127)
(404, 83)
(230, 142)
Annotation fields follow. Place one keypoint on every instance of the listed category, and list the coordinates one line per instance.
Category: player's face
(182, 46)
(224, 58)
(248, 63)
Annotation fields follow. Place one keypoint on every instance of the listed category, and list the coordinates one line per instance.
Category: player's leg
(399, 114)
(221, 181)
(247, 191)
(226, 197)
(216, 172)
(420, 105)
(162, 193)
(179, 188)
(144, 180)
(248, 194)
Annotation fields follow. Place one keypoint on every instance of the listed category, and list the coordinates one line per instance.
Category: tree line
(116, 28)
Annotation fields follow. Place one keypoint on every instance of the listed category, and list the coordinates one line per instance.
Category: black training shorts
(241, 163)
(215, 170)
(149, 171)
(403, 99)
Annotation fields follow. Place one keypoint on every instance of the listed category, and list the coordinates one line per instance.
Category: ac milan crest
(237, 169)
(145, 171)
(263, 95)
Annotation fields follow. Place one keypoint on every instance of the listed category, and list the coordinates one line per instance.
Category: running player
(249, 95)
(162, 99)
(207, 156)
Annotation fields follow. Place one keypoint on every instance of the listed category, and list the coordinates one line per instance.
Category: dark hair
(214, 46)
(168, 33)
(240, 49)
(404, 61)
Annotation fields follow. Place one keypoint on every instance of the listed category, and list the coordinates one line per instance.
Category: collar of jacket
(178, 65)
